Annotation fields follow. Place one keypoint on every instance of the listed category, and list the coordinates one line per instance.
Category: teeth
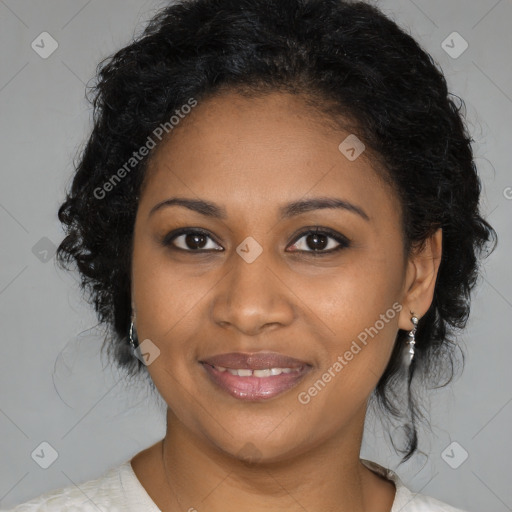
(267, 372)
(241, 372)
(264, 373)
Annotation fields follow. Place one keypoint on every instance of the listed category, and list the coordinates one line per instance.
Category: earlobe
(422, 271)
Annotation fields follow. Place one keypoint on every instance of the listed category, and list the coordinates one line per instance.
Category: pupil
(195, 241)
(319, 241)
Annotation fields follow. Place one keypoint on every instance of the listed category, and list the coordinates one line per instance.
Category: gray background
(54, 385)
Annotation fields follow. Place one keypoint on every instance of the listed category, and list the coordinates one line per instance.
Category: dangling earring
(409, 354)
(132, 341)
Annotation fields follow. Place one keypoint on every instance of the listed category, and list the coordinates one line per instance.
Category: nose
(252, 297)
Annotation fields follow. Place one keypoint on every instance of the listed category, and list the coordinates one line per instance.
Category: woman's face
(252, 281)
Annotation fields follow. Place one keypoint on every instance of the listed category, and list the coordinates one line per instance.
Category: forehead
(261, 152)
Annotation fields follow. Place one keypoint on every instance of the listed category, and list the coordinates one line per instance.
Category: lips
(254, 361)
(232, 374)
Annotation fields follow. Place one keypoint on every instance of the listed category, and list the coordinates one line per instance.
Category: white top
(119, 490)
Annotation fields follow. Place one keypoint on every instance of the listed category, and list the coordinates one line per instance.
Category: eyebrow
(209, 209)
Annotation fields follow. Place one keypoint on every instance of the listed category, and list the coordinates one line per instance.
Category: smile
(255, 384)
(246, 372)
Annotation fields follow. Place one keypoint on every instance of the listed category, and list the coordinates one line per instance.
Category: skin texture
(250, 156)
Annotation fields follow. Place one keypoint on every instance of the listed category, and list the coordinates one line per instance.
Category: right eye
(189, 240)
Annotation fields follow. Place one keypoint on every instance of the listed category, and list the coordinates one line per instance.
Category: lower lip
(255, 388)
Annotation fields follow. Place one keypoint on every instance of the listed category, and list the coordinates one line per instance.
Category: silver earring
(409, 354)
(132, 341)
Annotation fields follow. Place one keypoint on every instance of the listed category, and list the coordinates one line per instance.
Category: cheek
(355, 359)
(359, 304)
(163, 298)
(170, 305)
(354, 293)
(161, 293)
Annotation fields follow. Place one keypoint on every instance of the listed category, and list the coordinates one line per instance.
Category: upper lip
(254, 361)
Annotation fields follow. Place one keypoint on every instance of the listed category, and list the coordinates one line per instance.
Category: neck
(329, 476)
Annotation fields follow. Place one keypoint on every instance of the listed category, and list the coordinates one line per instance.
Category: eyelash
(342, 240)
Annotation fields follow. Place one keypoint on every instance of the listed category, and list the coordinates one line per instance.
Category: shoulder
(416, 502)
(405, 499)
(102, 493)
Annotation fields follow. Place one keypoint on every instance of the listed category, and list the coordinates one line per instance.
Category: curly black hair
(355, 65)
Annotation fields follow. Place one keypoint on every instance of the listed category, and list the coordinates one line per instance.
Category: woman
(277, 216)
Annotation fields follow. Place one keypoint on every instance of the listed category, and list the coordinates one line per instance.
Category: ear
(420, 281)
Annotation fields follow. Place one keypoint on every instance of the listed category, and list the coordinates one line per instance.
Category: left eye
(319, 241)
